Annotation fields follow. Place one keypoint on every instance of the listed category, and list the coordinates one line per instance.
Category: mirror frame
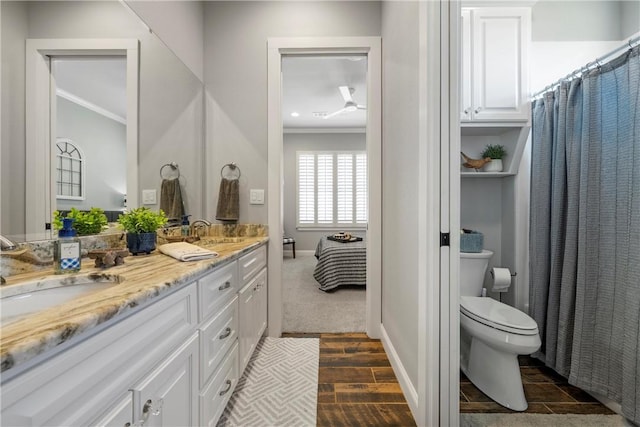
(40, 90)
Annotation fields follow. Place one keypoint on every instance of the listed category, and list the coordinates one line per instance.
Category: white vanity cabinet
(253, 303)
(174, 362)
(90, 382)
(494, 81)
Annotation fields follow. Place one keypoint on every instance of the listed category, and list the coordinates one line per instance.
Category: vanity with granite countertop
(163, 342)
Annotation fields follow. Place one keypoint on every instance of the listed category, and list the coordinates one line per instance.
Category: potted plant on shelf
(141, 225)
(496, 153)
(85, 223)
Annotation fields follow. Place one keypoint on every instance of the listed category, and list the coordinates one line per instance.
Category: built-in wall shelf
(485, 174)
(473, 140)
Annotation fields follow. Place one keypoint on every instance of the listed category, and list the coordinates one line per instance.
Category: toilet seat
(497, 315)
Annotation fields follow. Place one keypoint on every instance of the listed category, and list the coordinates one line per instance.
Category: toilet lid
(498, 315)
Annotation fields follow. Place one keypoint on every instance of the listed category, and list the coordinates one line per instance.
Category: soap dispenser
(66, 251)
(184, 229)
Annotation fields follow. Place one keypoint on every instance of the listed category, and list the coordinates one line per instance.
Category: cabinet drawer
(216, 338)
(216, 394)
(251, 263)
(217, 288)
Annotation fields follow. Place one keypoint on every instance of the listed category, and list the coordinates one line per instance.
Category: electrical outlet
(256, 197)
(148, 197)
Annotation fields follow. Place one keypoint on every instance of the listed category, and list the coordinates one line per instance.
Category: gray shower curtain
(585, 230)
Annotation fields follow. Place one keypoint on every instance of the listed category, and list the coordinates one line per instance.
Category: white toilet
(492, 335)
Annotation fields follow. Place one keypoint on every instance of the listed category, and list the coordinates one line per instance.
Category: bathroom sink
(24, 298)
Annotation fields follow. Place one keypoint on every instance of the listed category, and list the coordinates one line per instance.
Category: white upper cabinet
(494, 85)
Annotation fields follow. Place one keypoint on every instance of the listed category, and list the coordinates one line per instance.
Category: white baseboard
(410, 393)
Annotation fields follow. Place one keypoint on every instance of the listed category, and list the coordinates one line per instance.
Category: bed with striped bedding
(340, 264)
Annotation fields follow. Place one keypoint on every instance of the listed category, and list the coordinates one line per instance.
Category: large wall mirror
(168, 127)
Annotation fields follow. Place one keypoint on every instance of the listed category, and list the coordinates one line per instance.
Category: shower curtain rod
(629, 45)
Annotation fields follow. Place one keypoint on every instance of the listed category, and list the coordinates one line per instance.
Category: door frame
(40, 91)
(276, 48)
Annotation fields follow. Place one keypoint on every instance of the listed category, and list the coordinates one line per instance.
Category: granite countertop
(141, 278)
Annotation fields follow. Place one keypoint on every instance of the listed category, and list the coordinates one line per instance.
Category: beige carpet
(542, 420)
(308, 309)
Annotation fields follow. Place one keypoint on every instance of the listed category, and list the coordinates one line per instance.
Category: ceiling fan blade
(346, 93)
(335, 113)
(361, 107)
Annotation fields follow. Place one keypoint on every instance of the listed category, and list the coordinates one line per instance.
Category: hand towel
(184, 251)
(171, 199)
(228, 200)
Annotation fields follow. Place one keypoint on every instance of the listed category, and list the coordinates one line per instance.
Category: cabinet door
(465, 66)
(260, 320)
(120, 415)
(500, 63)
(169, 395)
(245, 324)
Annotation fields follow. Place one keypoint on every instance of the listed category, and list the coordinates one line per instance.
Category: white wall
(400, 181)
(103, 143)
(235, 66)
(185, 40)
(170, 97)
(308, 239)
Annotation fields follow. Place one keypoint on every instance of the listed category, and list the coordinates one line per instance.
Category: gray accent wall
(630, 17)
(582, 20)
(400, 167)
(14, 30)
(236, 35)
(103, 144)
(293, 142)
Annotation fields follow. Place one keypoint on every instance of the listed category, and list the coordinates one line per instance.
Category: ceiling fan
(349, 104)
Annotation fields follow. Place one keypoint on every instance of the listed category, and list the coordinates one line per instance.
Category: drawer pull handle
(225, 334)
(223, 392)
(149, 409)
(226, 285)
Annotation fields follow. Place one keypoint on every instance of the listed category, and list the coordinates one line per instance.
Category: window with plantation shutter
(332, 189)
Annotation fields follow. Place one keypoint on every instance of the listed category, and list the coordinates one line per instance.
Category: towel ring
(233, 169)
(174, 167)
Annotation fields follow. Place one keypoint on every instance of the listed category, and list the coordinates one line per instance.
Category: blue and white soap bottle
(66, 252)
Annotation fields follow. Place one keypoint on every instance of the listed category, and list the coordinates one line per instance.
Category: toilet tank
(473, 267)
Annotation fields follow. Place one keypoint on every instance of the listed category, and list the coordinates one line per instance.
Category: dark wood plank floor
(356, 384)
(545, 390)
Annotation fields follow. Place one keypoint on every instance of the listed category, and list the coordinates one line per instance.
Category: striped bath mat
(279, 386)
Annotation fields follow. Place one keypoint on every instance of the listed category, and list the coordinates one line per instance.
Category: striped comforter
(340, 264)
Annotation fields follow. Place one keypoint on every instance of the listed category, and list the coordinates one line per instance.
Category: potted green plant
(141, 225)
(496, 152)
(91, 222)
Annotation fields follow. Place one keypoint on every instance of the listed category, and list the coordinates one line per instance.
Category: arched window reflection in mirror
(69, 170)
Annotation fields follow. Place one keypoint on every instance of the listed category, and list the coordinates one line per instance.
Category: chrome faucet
(7, 245)
(195, 225)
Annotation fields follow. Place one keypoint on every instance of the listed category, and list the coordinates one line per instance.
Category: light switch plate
(148, 197)
(256, 197)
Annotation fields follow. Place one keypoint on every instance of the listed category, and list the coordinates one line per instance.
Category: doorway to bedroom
(325, 192)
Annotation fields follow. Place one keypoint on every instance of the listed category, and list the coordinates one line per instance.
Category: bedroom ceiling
(98, 80)
(310, 87)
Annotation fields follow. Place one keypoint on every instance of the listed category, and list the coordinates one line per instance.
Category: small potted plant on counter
(85, 223)
(141, 225)
(495, 153)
